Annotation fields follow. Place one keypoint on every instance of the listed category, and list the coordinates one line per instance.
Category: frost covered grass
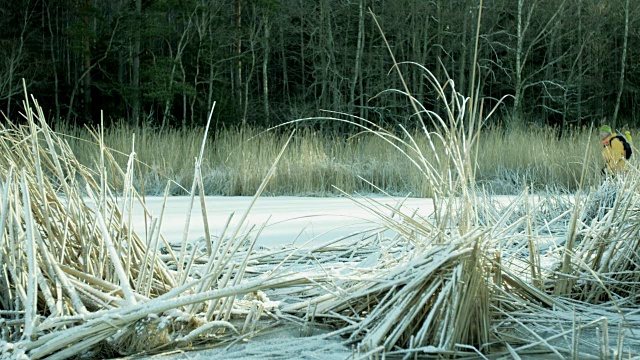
(498, 289)
(314, 162)
(475, 280)
(545, 274)
(76, 280)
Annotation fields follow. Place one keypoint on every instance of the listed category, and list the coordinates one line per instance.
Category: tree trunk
(69, 59)
(302, 54)
(439, 46)
(14, 62)
(81, 79)
(363, 108)
(332, 67)
(580, 78)
(184, 95)
(424, 55)
(211, 78)
(210, 28)
(519, 49)
(460, 84)
(202, 28)
(265, 74)
(252, 47)
(285, 74)
(324, 56)
(54, 64)
(86, 62)
(135, 70)
(194, 98)
(168, 103)
(359, 47)
(622, 64)
(239, 51)
(177, 61)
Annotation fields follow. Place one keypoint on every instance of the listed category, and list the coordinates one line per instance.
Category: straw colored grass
(606, 254)
(76, 278)
(314, 162)
(471, 280)
(410, 297)
(547, 274)
(476, 278)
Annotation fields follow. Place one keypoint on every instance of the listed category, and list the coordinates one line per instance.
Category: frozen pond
(312, 221)
(305, 221)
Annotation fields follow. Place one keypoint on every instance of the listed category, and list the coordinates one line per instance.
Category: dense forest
(163, 62)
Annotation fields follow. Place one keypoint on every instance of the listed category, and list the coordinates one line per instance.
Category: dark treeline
(163, 62)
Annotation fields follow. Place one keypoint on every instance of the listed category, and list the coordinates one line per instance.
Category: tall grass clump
(76, 279)
(430, 287)
(545, 275)
(603, 253)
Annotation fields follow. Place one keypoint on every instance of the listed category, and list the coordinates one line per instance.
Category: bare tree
(13, 56)
(238, 73)
(185, 37)
(253, 41)
(89, 66)
(623, 62)
(357, 71)
(54, 63)
(265, 66)
(135, 67)
(523, 53)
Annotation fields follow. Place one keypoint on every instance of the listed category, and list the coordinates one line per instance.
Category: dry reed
(473, 279)
(314, 161)
(77, 279)
(550, 274)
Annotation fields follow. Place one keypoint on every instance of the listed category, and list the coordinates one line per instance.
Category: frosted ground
(474, 277)
(300, 221)
(306, 222)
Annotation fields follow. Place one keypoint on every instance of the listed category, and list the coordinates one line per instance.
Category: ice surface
(299, 220)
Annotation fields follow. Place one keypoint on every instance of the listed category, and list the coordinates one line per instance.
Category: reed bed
(315, 162)
(487, 293)
(548, 274)
(474, 279)
(76, 278)
(605, 251)
(535, 274)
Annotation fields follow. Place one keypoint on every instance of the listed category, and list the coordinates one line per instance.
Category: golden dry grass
(76, 278)
(470, 280)
(314, 162)
(467, 281)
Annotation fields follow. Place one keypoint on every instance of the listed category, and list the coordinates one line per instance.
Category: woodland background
(162, 63)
